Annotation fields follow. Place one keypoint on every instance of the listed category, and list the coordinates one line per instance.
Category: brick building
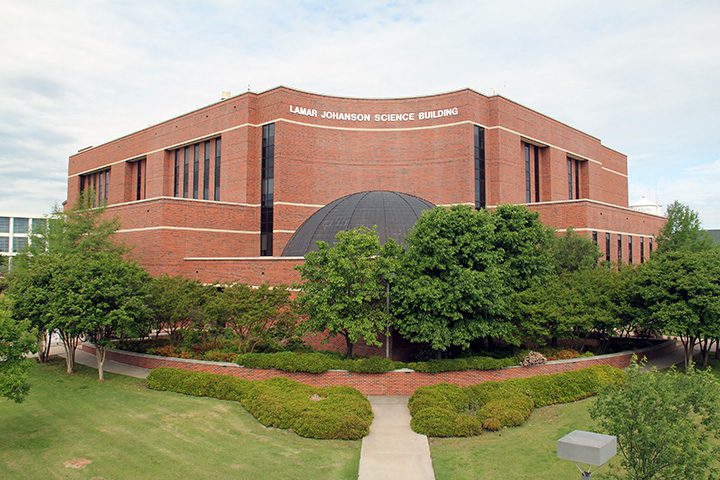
(217, 194)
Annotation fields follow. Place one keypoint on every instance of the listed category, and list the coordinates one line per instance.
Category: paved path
(89, 360)
(393, 451)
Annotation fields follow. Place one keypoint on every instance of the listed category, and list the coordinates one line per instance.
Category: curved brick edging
(397, 382)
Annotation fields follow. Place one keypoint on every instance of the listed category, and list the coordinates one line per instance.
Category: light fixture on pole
(587, 448)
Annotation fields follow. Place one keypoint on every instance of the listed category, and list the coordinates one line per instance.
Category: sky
(644, 76)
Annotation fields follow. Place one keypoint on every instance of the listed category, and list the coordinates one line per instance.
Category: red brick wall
(390, 383)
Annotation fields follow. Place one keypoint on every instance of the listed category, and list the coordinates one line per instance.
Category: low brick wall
(398, 382)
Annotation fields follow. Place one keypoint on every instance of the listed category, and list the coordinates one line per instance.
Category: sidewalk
(89, 360)
(393, 451)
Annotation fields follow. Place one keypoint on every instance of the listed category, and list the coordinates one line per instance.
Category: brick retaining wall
(398, 382)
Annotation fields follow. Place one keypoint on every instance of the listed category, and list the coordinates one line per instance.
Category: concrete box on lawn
(587, 447)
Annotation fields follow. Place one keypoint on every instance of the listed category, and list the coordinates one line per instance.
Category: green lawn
(526, 452)
(130, 432)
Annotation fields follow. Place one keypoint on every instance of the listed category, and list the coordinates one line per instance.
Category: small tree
(110, 301)
(343, 289)
(176, 303)
(679, 294)
(248, 312)
(16, 340)
(573, 252)
(667, 424)
(682, 231)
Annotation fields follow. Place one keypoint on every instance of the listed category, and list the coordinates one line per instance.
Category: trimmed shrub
(370, 365)
(459, 364)
(496, 405)
(443, 422)
(324, 413)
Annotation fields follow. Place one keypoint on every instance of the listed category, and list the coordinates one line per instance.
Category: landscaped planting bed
(323, 413)
(446, 410)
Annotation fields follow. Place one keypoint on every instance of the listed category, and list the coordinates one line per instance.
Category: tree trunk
(70, 344)
(717, 349)
(48, 344)
(43, 346)
(100, 356)
(705, 346)
(348, 345)
(689, 347)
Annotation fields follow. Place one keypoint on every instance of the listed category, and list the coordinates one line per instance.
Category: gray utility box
(587, 447)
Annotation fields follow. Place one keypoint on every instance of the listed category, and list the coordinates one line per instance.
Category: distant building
(647, 206)
(15, 231)
(715, 234)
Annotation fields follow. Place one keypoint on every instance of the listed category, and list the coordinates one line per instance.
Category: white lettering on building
(377, 117)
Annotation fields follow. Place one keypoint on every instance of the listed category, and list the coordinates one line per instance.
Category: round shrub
(493, 424)
(511, 411)
(443, 395)
(325, 424)
(370, 365)
(442, 422)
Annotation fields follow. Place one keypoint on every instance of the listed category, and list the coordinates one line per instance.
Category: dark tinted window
(480, 201)
(4, 244)
(267, 188)
(21, 225)
(4, 224)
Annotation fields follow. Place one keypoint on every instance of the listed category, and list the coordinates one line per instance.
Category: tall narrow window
(607, 247)
(619, 252)
(570, 178)
(101, 188)
(206, 171)
(196, 169)
(267, 188)
(650, 245)
(176, 184)
(528, 196)
(595, 240)
(107, 185)
(536, 151)
(95, 187)
(186, 159)
(217, 170)
(642, 249)
(480, 201)
(577, 179)
(138, 180)
(630, 249)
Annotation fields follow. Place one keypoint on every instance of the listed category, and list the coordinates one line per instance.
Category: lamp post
(387, 312)
(587, 448)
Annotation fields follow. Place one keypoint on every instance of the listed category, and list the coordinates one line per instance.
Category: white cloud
(641, 77)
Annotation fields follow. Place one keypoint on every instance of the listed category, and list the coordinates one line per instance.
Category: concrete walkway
(89, 360)
(393, 451)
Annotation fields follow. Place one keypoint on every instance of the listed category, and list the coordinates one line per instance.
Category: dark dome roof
(394, 213)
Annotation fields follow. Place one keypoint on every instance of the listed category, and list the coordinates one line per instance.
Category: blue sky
(642, 75)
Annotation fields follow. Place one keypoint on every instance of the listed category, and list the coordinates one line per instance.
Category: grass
(526, 452)
(130, 432)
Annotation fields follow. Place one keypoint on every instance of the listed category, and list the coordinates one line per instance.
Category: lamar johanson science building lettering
(241, 189)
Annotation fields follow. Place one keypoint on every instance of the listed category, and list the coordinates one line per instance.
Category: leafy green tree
(16, 340)
(344, 286)
(573, 252)
(679, 294)
(667, 424)
(460, 272)
(177, 304)
(682, 231)
(107, 298)
(40, 287)
(250, 313)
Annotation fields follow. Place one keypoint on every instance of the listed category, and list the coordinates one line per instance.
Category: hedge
(316, 362)
(323, 413)
(446, 410)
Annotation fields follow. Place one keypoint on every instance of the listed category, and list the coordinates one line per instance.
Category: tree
(460, 272)
(667, 424)
(107, 299)
(573, 252)
(176, 304)
(343, 289)
(679, 295)
(39, 287)
(682, 231)
(249, 312)
(16, 340)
